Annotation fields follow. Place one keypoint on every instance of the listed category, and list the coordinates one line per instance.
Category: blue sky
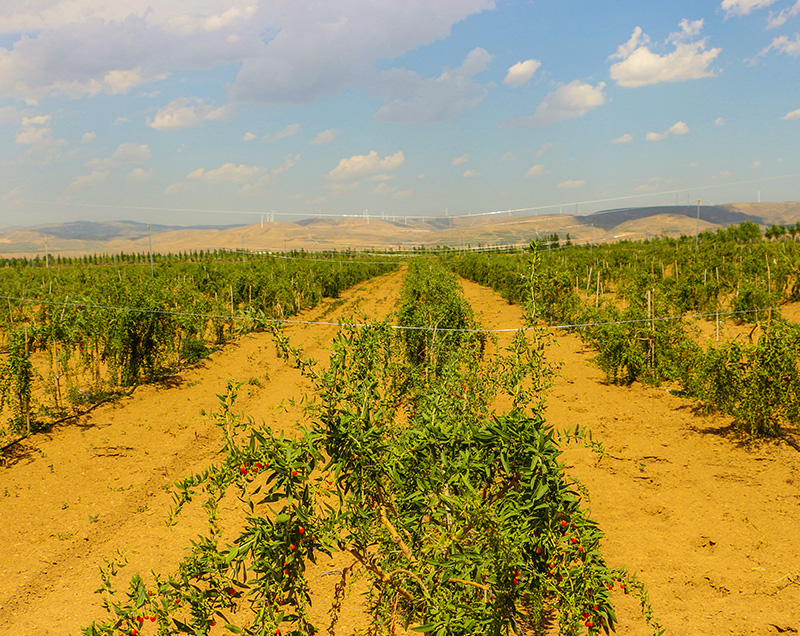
(219, 111)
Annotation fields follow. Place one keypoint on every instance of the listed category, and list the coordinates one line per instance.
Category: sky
(236, 111)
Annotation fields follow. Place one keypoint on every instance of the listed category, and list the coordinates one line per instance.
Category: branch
(396, 536)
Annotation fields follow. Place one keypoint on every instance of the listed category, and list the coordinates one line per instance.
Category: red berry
(134, 632)
(294, 473)
(538, 550)
(232, 592)
(212, 623)
(153, 619)
(140, 619)
(574, 540)
(563, 524)
(291, 546)
(301, 530)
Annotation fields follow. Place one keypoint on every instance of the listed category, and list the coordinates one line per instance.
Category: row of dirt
(709, 523)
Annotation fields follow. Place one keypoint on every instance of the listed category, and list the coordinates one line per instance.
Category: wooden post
(27, 405)
(589, 279)
(597, 294)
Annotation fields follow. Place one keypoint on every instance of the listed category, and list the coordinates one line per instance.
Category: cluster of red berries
(245, 468)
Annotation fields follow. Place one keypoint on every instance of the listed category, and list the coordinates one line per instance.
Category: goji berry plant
(458, 515)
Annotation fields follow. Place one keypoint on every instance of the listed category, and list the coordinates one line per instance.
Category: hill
(315, 234)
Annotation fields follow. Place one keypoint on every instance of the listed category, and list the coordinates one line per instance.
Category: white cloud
(139, 174)
(471, 174)
(415, 100)
(88, 137)
(228, 173)
(87, 180)
(404, 194)
(459, 160)
(779, 20)
(380, 177)
(546, 147)
(571, 184)
(639, 66)
(755, 165)
(290, 131)
(360, 165)
(521, 73)
(679, 128)
(623, 139)
(121, 120)
(383, 188)
(509, 156)
(566, 102)
(782, 44)
(318, 48)
(724, 174)
(130, 152)
(325, 137)
(44, 147)
(652, 136)
(286, 52)
(720, 121)
(248, 136)
(795, 114)
(743, 7)
(536, 170)
(184, 112)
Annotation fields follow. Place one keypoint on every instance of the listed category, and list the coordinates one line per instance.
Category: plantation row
(91, 330)
(459, 517)
(634, 330)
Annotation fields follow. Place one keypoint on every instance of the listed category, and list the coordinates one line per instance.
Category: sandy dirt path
(70, 499)
(711, 525)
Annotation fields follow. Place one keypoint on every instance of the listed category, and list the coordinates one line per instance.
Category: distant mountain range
(314, 234)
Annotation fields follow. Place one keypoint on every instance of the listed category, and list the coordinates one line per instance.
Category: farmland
(684, 493)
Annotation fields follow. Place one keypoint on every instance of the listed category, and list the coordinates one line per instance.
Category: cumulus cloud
(755, 165)
(228, 173)
(743, 7)
(782, 44)
(185, 112)
(571, 184)
(521, 73)
(286, 52)
(780, 19)
(535, 171)
(720, 121)
(88, 137)
(319, 48)
(248, 136)
(653, 136)
(471, 174)
(416, 100)
(546, 147)
(566, 102)
(290, 131)
(459, 160)
(130, 152)
(325, 137)
(44, 147)
(88, 180)
(139, 174)
(623, 139)
(795, 114)
(678, 129)
(640, 66)
(362, 165)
